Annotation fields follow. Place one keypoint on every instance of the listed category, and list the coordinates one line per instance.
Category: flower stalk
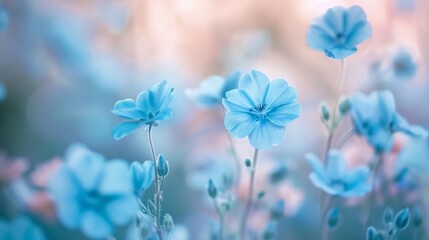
(249, 201)
(157, 186)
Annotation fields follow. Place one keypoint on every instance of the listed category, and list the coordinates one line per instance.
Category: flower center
(340, 38)
(337, 184)
(259, 111)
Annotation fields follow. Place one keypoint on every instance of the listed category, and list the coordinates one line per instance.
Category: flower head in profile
(91, 193)
(20, 228)
(150, 107)
(375, 118)
(403, 65)
(336, 179)
(339, 31)
(260, 109)
(210, 92)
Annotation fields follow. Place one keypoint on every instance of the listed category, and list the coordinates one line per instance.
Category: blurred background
(63, 64)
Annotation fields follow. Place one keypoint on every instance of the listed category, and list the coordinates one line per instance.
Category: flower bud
(418, 217)
(212, 190)
(402, 219)
(168, 223)
(270, 230)
(162, 166)
(141, 175)
(333, 217)
(277, 211)
(324, 112)
(388, 215)
(344, 106)
(248, 162)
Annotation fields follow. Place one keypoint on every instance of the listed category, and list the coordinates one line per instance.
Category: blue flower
(149, 108)
(92, 194)
(403, 65)
(142, 175)
(3, 91)
(339, 31)
(375, 118)
(260, 109)
(336, 179)
(20, 228)
(4, 19)
(210, 92)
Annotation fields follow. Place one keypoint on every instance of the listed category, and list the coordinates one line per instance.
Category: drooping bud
(333, 218)
(163, 166)
(344, 106)
(212, 189)
(388, 215)
(402, 219)
(168, 223)
(324, 112)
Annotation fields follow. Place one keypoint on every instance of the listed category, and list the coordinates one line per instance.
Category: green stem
(249, 201)
(157, 184)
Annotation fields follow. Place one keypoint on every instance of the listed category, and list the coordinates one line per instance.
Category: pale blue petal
(62, 184)
(239, 124)
(124, 104)
(400, 124)
(233, 106)
(69, 212)
(340, 52)
(358, 176)
(136, 114)
(387, 106)
(283, 114)
(255, 84)
(319, 183)
(337, 167)
(95, 226)
(231, 82)
(148, 174)
(86, 166)
(239, 98)
(266, 135)
(124, 129)
(116, 178)
(317, 166)
(279, 92)
(121, 211)
(357, 28)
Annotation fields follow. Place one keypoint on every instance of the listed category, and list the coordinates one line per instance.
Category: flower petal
(85, 165)
(95, 226)
(122, 210)
(124, 129)
(239, 124)
(116, 178)
(266, 135)
(337, 167)
(239, 98)
(317, 166)
(255, 84)
(283, 114)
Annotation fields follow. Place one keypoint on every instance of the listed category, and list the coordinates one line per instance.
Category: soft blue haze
(20, 228)
(336, 179)
(375, 118)
(91, 193)
(338, 32)
(261, 109)
(142, 175)
(210, 92)
(150, 107)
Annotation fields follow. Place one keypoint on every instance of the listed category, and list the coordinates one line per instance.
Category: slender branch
(323, 230)
(250, 198)
(157, 189)
(345, 137)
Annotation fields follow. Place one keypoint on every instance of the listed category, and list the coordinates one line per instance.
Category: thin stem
(323, 230)
(250, 198)
(221, 219)
(234, 153)
(377, 163)
(345, 137)
(157, 189)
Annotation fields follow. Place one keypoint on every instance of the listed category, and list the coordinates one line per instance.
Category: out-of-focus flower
(116, 14)
(403, 65)
(414, 157)
(4, 19)
(210, 92)
(20, 228)
(405, 5)
(339, 31)
(260, 109)
(150, 107)
(11, 169)
(336, 179)
(92, 194)
(3, 91)
(375, 118)
(141, 175)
